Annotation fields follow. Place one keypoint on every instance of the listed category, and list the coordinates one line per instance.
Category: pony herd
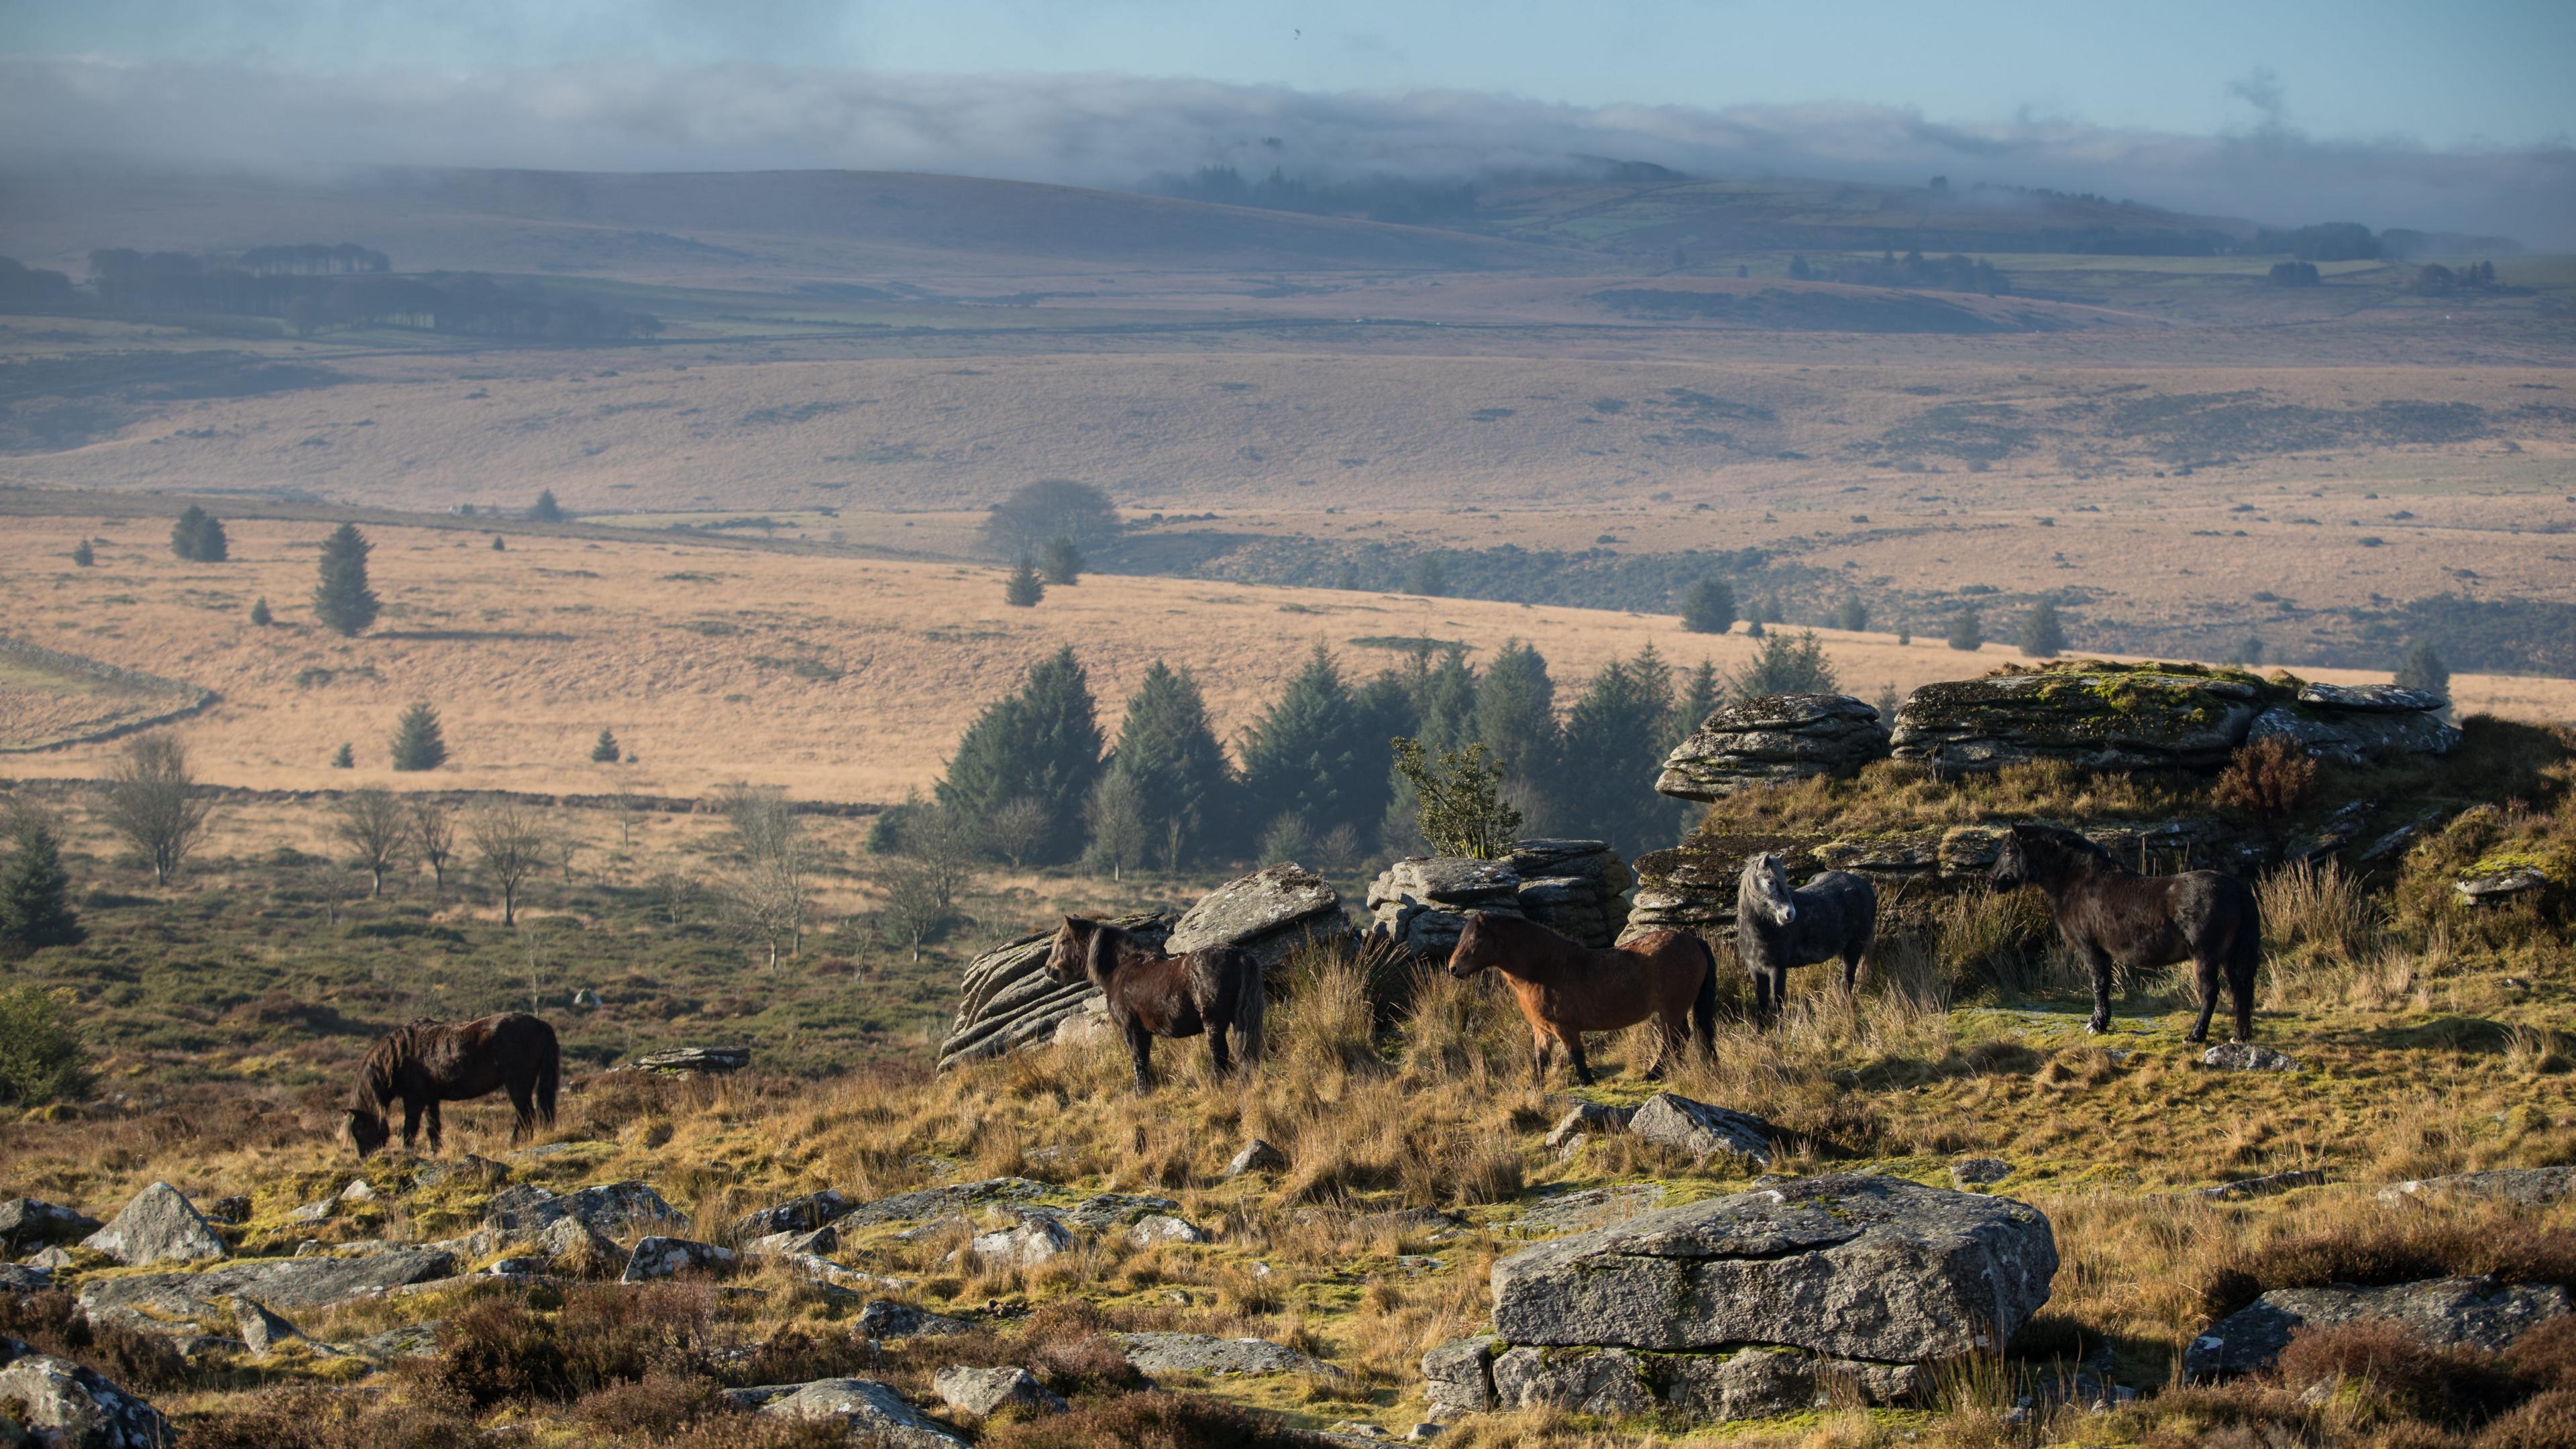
(2106, 913)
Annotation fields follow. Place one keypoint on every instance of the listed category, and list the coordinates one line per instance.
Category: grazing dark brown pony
(1215, 989)
(2110, 913)
(1566, 988)
(429, 1062)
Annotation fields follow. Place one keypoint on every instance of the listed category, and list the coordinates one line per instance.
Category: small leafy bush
(41, 1058)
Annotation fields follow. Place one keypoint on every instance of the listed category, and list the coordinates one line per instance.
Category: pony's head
(2012, 862)
(1478, 947)
(1069, 956)
(366, 1128)
(2032, 854)
(1765, 889)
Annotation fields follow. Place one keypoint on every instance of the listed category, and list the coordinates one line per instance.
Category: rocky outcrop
(883, 1320)
(1678, 1122)
(613, 1209)
(984, 1392)
(2355, 726)
(159, 1226)
(157, 1298)
(691, 1061)
(1849, 1266)
(1749, 1383)
(61, 1405)
(1202, 1353)
(1008, 1001)
(1773, 740)
(1025, 1244)
(2440, 1313)
(669, 1257)
(931, 1202)
(872, 1412)
(2246, 1056)
(1574, 887)
(27, 1224)
(2096, 716)
(1270, 913)
(2528, 1186)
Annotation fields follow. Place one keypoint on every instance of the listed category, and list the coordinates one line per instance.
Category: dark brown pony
(2110, 913)
(1566, 988)
(430, 1062)
(1215, 989)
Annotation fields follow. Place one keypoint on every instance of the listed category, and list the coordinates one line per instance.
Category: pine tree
(2421, 667)
(546, 509)
(83, 555)
(2249, 652)
(1614, 748)
(1041, 744)
(1061, 562)
(344, 758)
(1300, 758)
(1169, 751)
(1786, 664)
(1426, 577)
(1023, 588)
(1851, 615)
(1888, 703)
(1709, 607)
(1968, 630)
(1381, 710)
(2042, 637)
(498, 546)
(259, 614)
(342, 600)
(1701, 694)
(197, 537)
(604, 751)
(1516, 719)
(35, 892)
(418, 742)
(1347, 577)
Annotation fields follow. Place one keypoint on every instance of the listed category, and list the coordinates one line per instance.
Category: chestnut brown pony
(429, 1062)
(1566, 988)
(1215, 989)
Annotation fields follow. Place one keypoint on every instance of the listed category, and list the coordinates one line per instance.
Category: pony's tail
(2245, 953)
(1704, 1004)
(549, 1073)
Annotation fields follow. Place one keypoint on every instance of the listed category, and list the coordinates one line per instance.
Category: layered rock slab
(1775, 739)
(2093, 718)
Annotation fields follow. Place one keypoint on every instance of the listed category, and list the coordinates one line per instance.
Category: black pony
(430, 1062)
(2110, 913)
(1215, 989)
(1834, 914)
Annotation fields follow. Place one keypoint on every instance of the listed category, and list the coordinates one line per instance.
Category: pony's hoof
(2099, 1026)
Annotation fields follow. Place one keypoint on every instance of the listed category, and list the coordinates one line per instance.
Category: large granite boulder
(2528, 1186)
(1773, 740)
(610, 1208)
(314, 1282)
(27, 1224)
(1754, 1382)
(2439, 1313)
(1007, 1001)
(1848, 1266)
(1574, 887)
(872, 1412)
(159, 1226)
(1203, 1353)
(2092, 715)
(60, 1405)
(1270, 913)
(2355, 726)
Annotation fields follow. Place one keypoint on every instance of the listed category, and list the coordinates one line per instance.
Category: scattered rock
(260, 1329)
(2484, 889)
(159, 1226)
(692, 1061)
(613, 1208)
(575, 1248)
(1116, 1209)
(24, 1278)
(2275, 1184)
(1269, 913)
(358, 1190)
(885, 1320)
(1458, 1376)
(1969, 1172)
(796, 1215)
(984, 1392)
(2246, 1056)
(1849, 1265)
(276, 1282)
(2102, 719)
(1678, 1122)
(667, 1257)
(1257, 1156)
(1164, 1228)
(821, 1242)
(2528, 1186)
(26, 1223)
(1025, 1244)
(585, 997)
(874, 1413)
(1422, 1433)
(52, 1260)
(1772, 740)
(1201, 1353)
(313, 1212)
(412, 1340)
(932, 1202)
(2439, 1313)
(2332, 838)
(65, 1406)
(1587, 1119)
(1587, 1208)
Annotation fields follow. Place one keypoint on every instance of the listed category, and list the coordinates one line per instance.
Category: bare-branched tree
(1016, 827)
(151, 801)
(1115, 814)
(510, 846)
(433, 830)
(373, 823)
(771, 887)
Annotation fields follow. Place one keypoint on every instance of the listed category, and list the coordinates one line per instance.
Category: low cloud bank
(1120, 131)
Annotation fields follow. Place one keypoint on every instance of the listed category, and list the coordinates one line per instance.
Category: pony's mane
(2063, 841)
(389, 1054)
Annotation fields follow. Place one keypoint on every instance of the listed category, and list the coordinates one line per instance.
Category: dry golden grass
(838, 678)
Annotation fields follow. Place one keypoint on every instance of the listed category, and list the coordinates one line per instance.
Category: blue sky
(2437, 74)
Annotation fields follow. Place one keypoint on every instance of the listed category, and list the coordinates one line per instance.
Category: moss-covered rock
(1773, 740)
(2096, 716)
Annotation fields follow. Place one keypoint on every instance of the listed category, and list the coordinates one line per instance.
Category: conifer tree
(1041, 744)
(1347, 577)
(1709, 607)
(259, 615)
(418, 742)
(341, 599)
(1168, 750)
(83, 555)
(1968, 630)
(2042, 637)
(1023, 588)
(546, 509)
(197, 537)
(1516, 719)
(344, 758)
(35, 892)
(604, 750)
(1061, 562)
(2421, 667)
(1701, 694)
(1614, 748)
(1851, 615)
(1426, 577)
(1786, 664)
(1301, 757)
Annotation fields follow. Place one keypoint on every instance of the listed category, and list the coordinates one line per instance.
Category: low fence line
(649, 804)
(200, 698)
